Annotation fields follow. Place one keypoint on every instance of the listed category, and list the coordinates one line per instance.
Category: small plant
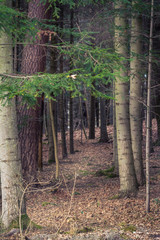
(128, 227)
(157, 201)
(77, 193)
(85, 230)
(85, 173)
(48, 203)
(50, 161)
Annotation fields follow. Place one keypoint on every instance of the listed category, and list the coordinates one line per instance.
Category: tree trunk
(62, 115)
(63, 131)
(54, 139)
(10, 163)
(148, 113)
(51, 154)
(127, 175)
(29, 120)
(70, 96)
(103, 128)
(135, 96)
(115, 150)
(92, 118)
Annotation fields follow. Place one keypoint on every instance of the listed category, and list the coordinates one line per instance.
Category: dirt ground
(82, 202)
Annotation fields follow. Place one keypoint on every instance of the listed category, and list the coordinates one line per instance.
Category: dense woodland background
(71, 67)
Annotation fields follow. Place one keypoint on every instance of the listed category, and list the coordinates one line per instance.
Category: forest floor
(82, 203)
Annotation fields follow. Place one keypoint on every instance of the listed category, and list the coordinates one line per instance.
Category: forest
(79, 119)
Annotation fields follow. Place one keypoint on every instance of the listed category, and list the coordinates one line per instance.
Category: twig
(70, 206)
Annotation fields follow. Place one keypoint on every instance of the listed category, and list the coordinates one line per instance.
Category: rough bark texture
(10, 164)
(135, 96)
(127, 175)
(29, 120)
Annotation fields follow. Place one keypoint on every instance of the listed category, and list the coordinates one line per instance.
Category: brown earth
(82, 202)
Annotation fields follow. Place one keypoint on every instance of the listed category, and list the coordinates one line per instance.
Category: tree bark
(127, 175)
(29, 120)
(135, 95)
(51, 154)
(10, 162)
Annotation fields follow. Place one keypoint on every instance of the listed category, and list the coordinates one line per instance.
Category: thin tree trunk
(54, 139)
(103, 128)
(115, 150)
(70, 96)
(127, 175)
(51, 154)
(40, 143)
(62, 115)
(92, 118)
(135, 95)
(148, 114)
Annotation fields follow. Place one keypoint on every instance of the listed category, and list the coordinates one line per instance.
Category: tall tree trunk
(70, 96)
(51, 154)
(103, 128)
(33, 61)
(135, 95)
(115, 150)
(148, 113)
(92, 118)
(62, 115)
(127, 175)
(63, 131)
(10, 162)
(40, 143)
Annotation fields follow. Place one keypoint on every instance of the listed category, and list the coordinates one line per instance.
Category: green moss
(109, 173)
(25, 222)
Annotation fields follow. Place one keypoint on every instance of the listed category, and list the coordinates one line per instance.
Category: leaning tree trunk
(10, 163)
(127, 175)
(29, 120)
(135, 95)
